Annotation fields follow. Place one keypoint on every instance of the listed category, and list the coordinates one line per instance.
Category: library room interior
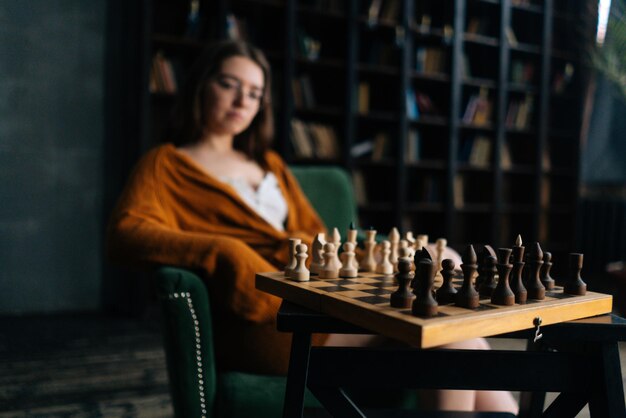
(313, 208)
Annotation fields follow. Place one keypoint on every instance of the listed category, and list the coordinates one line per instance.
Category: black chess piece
(502, 294)
(481, 255)
(546, 279)
(516, 282)
(446, 293)
(535, 288)
(424, 304)
(575, 284)
(403, 297)
(467, 296)
(488, 271)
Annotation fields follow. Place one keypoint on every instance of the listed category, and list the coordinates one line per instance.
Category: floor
(94, 366)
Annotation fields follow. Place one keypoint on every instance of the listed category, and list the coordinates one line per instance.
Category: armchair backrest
(330, 191)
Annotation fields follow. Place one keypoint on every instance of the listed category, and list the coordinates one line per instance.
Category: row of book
(522, 71)
(430, 60)
(314, 140)
(419, 103)
(476, 151)
(162, 75)
(376, 148)
(479, 109)
(386, 10)
(519, 112)
(303, 92)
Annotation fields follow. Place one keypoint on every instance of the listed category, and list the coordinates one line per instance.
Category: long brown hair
(188, 121)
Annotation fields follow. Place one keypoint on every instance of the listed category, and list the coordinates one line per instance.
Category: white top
(267, 200)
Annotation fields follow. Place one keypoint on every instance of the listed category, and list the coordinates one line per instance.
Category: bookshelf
(458, 118)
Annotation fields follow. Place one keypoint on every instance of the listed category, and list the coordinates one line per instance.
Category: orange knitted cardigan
(172, 212)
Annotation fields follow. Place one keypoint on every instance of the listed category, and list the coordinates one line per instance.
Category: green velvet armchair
(197, 388)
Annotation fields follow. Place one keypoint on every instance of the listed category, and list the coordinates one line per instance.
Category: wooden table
(584, 370)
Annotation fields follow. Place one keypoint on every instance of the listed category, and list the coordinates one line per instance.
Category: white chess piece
(351, 237)
(300, 273)
(317, 250)
(331, 262)
(369, 262)
(385, 267)
(347, 259)
(292, 256)
(394, 239)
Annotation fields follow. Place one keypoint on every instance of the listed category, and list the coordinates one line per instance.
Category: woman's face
(234, 96)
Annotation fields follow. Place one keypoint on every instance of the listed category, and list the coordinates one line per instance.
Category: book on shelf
(380, 53)
(194, 22)
(480, 153)
(162, 75)
(562, 78)
(412, 110)
(301, 139)
(510, 37)
(381, 145)
(373, 11)
(466, 69)
(363, 98)
(236, 28)
(431, 189)
(477, 25)
(413, 146)
(390, 10)
(303, 92)
(479, 108)
(545, 192)
(358, 183)
(519, 113)
(522, 72)
(430, 60)
(362, 148)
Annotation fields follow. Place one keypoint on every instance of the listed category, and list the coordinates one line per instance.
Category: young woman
(216, 200)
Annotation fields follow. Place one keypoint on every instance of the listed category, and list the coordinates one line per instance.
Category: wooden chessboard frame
(431, 332)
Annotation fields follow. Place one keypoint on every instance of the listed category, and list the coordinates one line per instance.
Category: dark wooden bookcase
(458, 118)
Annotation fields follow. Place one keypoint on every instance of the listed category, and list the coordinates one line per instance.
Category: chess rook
(575, 284)
(502, 294)
(424, 304)
(467, 296)
(535, 288)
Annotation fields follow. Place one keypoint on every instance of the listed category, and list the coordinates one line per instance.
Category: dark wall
(51, 154)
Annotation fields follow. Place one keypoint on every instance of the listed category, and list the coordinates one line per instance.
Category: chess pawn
(368, 263)
(347, 261)
(516, 283)
(422, 241)
(351, 237)
(502, 294)
(535, 288)
(424, 304)
(546, 280)
(488, 273)
(403, 297)
(317, 261)
(467, 296)
(292, 256)
(300, 273)
(331, 262)
(409, 237)
(385, 267)
(446, 293)
(575, 284)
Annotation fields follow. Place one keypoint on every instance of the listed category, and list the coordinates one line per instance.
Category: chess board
(364, 301)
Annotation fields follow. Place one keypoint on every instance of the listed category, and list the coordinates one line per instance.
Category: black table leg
(607, 400)
(566, 405)
(297, 375)
(337, 402)
(532, 403)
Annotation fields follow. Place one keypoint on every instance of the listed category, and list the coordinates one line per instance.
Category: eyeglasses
(233, 85)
